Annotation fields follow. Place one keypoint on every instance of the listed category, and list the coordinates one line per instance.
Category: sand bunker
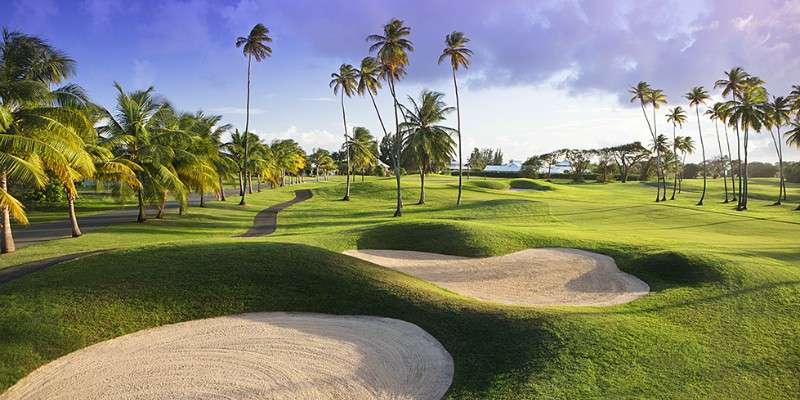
(551, 276)
(253, 356)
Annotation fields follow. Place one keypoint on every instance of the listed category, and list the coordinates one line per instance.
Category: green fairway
(722, 320)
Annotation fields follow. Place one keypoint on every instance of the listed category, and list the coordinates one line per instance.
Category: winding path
(266, 221)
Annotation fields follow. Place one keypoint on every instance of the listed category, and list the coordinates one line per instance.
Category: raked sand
(252, 356)
(547, 276)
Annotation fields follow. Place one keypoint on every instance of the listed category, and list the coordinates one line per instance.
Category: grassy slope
(721, 323)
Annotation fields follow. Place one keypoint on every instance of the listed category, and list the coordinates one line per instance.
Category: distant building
(561, 167)
(453, 167)
(511, 167)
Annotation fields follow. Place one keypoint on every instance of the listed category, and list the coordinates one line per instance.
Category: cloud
(144, 74)
(311, 139)
(101, 11)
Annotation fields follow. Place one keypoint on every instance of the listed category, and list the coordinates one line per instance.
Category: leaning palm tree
(715, 113)
(427, 143)
(677, 117)
(748, 113)
(699, 96)
(345, 83)
(641, 93)
(392, 48)
(456, 51)
(253, 46)
(369, 82)
(733, 84)
(778, 114)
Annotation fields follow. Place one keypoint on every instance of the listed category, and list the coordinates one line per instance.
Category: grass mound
(530, 184)
(494, 185)
(450, 237)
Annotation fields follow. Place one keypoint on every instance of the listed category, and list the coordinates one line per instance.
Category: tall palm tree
(778, 113)
(641, 93)
(392, 48)
(657, 98)
(459, 55)
(345, 83)
(793, 135)
(748, 113)
(660, 146)
(138, 132)
(427, 143)
(699, 96)
(677, 117)
(733, 84)
(716, 113)
(254, 45)
(369, 74)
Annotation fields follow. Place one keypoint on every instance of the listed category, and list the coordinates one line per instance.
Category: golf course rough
(539, 277)
(253, 356)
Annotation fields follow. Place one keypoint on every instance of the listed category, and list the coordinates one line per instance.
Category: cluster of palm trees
(746, 108)
(418, 139)
(52, 134)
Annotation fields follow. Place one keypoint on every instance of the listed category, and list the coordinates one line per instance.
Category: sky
(545, 74)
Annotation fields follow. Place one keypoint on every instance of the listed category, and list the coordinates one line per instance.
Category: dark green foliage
(757, 169)
(529, 184)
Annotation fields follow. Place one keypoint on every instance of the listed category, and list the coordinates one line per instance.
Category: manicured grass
(530, 184)
(489, 184)
(722, 320)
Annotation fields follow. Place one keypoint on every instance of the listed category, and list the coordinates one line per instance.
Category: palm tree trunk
(8, 245)
(675, 151)
(658, 155)
(730, 163)
(346, 151)
(241, 183)
(380, 119)
(743, 175)
(458, 129)
(780, 165)
(162, 207)
(398, 212)
(246, 128)
(703, 150)
(140, 198)
(202, 197)
(249, 183)
(258, 182)
(221, 190)
(421, 186)
(660, 161)
(722, 160)
(73, 219)
(745, 169)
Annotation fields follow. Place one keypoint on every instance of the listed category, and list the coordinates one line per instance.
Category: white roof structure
(561, 167)
(512, 166)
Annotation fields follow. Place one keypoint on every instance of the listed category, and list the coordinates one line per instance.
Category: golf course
(720, 319)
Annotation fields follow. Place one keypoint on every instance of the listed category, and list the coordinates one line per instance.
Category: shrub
(529, 184)
(761, 170)
(691, 171)
(494, 185)
(791, 171)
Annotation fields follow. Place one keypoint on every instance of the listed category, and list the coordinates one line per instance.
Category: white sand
(253, 356)
(548, 276)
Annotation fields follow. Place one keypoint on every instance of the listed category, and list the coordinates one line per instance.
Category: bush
(791, 171)
(691, 171)
(761, 170)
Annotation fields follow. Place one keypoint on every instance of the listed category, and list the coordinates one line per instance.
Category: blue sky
(546, 74)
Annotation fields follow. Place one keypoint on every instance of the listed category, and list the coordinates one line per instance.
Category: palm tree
(253, 46)
(427, 143)
(138, 131)
(661, 147)
(459, 55)
(748, 113)
(715, 113)
(369, 82)
(41, 134)
(724, 113)
(657, 98)
(778, 114)
(677, 117)
(346, 82)
(684, 144)
(641, 93)
(699, 96)
(392, 52)
(733, 84)
(364, 151)
(793, 135)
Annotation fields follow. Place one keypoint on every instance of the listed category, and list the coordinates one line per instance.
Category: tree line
(747, 108)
